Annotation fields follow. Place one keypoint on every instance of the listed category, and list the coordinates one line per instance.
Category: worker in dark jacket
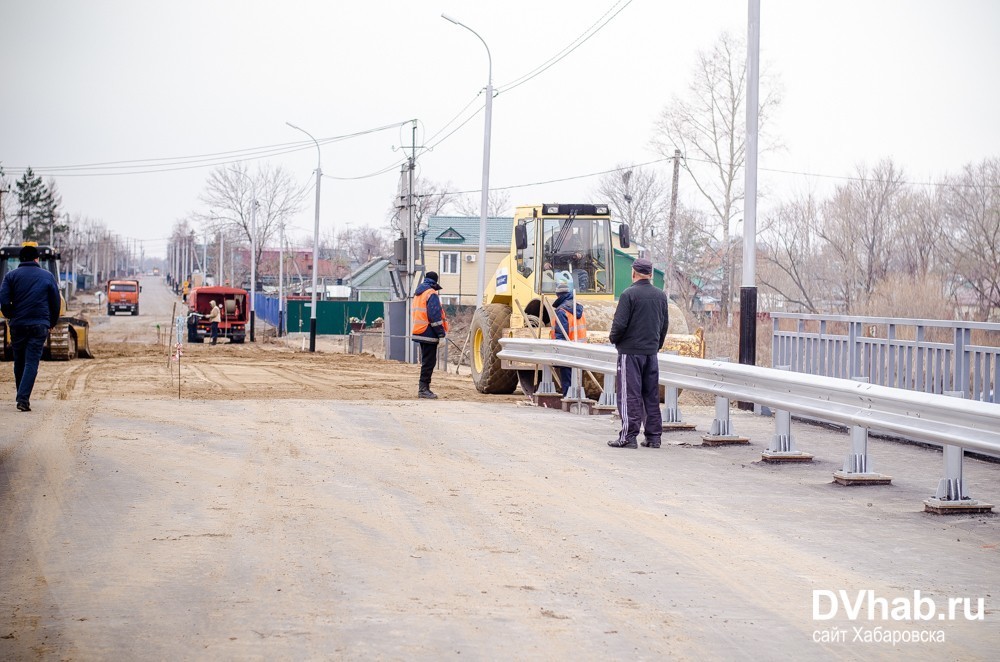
(571, 319)
(637, 332)
(430, 326)
(29, 299)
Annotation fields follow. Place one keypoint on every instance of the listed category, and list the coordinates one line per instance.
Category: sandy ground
(297, 506)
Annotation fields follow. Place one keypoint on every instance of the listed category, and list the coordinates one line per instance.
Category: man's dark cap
(643, 266)
(28, 253)
(432, 276)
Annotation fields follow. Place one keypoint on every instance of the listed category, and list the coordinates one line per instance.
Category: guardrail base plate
(961, 507)
(604, 410)
(578, 406)
(780, 458)
(724, 440)
(669, 427)
(848, 479)
(548, 400)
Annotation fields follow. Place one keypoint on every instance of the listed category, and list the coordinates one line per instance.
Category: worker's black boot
(425, 392)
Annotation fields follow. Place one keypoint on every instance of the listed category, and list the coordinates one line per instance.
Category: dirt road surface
(288, 505)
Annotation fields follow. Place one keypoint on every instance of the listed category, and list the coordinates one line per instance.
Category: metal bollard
(721, 432)
(857, 466)
(951, 496)
(782, 447)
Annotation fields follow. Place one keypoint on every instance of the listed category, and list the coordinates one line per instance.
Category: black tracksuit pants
(428, 359)
(637, 387)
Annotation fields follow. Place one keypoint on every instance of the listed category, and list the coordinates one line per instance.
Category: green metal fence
(332, 317)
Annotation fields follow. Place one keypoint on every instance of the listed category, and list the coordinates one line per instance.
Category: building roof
(464, 231)
(368, 270)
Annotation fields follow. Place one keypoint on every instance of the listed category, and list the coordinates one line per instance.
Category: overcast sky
(98, 81)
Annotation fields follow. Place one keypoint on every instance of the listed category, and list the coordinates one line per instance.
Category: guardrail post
(782, 447)
(857, 466)
(546, 386)
(608, 402)
(721, 433)
(576, 400)
(951, 498)
(671, 410)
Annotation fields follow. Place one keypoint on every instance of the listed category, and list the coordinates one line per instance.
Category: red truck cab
(232, 304)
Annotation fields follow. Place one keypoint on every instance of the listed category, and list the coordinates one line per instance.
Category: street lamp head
(449, 18)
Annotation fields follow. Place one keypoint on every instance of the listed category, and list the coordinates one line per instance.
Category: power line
(170, 164)
(572, 46)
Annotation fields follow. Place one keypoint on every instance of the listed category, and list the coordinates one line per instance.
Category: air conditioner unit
(470, 258)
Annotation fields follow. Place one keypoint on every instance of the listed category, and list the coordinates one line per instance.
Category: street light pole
(484, 202)
(319, 175)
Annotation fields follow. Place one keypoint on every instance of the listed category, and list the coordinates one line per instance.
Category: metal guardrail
(933, 356)
(930, 417)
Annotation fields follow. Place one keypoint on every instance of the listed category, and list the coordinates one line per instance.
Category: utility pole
(668, 269)
(281, 279)
(253, 266)
(411, 247)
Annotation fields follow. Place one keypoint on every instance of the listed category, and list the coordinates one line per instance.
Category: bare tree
(246, 201)
(920, 225)
(429, 199)
(972, 215)
(362, 243)
(497, 204)
(860, 226)
(708, 126)
(789, 259)
(638, 197)
(694, 262)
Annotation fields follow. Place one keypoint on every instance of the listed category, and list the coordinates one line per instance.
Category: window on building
(449, 263)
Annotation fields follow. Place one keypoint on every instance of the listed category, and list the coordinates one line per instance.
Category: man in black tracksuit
(638, 332)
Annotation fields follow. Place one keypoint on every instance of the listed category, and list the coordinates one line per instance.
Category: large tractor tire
(487, 328)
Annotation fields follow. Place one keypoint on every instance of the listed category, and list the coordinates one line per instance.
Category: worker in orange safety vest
(430, 326)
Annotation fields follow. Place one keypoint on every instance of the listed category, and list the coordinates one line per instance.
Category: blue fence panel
(266, 308)
(924, 355)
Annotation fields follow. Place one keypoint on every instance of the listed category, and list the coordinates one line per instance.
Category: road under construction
(285, 505)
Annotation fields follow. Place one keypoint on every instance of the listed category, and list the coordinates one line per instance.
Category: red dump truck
(232, 304)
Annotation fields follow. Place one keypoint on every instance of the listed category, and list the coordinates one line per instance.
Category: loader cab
(48, 259)
(566, 243)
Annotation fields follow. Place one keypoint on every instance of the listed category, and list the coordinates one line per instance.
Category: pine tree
(38, 208)
(30, 191)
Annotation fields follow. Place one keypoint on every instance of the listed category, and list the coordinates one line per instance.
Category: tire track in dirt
(35, 486)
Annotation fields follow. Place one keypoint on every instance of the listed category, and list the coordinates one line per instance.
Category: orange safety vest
(420, 321)
(576, 329)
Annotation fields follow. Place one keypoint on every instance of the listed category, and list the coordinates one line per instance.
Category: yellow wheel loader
(69, 338)
(552, 243)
